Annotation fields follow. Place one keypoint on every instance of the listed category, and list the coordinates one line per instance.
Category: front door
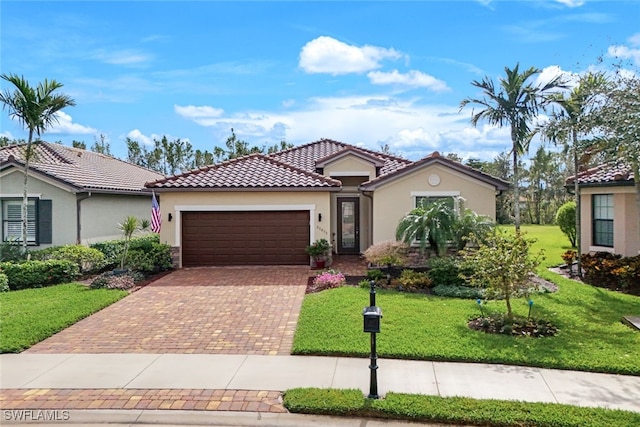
(348, 225)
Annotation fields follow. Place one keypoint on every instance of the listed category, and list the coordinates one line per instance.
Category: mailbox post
(372, 316)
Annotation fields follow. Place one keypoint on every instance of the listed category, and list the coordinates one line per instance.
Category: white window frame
(32, 222)
(455, 195)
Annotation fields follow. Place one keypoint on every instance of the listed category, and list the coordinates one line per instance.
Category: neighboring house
(75, 196)
(608, 210)
(265, 209)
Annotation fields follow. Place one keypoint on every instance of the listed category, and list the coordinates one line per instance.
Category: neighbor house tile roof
(253, 172)
(435, 157)
(84, 170)
(606, 174)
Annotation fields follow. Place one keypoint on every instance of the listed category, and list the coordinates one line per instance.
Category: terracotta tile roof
(255, 171)
(306, 156)
(607, 174)
(435, 157)
(82, 169)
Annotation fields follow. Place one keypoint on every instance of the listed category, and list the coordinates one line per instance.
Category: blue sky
(365, 73)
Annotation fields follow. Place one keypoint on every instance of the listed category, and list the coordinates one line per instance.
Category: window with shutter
(12, 221)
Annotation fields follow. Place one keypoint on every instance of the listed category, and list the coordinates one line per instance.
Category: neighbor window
(38, 221)
(603, 219)
(12, 220)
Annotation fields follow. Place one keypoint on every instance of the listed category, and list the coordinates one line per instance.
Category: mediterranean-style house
(265, 209)
(608, 210)
(75, 196)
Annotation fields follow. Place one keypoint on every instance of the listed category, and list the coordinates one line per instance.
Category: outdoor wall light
(170, 217)
(319, 217)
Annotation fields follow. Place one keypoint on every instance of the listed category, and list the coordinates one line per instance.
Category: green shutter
(45, 222)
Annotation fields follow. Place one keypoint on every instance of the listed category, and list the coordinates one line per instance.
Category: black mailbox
(372, 317)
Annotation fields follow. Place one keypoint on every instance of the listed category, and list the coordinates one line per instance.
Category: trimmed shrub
(145, 254)
(87, 259)
(447, 271)
(414, 281)
(566, 220)
(36, 274)
(4, 283)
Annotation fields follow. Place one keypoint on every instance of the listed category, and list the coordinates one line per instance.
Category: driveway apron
(217, 310)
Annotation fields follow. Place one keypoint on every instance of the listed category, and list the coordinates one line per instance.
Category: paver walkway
(222, 310)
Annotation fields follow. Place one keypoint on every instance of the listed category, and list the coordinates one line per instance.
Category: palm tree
(36, 109)
(575, 118)
(429, 223)
(515, 103)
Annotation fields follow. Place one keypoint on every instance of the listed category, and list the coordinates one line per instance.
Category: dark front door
(348, 225)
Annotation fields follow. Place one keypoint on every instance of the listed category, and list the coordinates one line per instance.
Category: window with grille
(602, 219)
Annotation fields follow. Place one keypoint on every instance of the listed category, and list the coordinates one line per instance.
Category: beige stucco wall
(101, 213)
(351, 166)
(393, 200)
(626, 235)
(174, 203)
(63, 204)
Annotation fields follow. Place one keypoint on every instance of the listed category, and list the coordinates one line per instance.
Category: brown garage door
(245, 238)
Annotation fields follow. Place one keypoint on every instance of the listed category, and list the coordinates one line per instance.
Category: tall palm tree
(36, 109)
(516, 103)
(574, 121)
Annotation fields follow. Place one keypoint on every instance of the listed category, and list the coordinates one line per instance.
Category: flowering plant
(328, 279)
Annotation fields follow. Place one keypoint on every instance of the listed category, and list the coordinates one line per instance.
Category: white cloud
(410, 129)
(571, 3)
(136, 135)
(624, 52)
(195, 112)
(122, 57)
(411, 79)
(66, 126)
(328, 55)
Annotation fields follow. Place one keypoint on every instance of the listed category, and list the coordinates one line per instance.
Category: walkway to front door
(219, 310)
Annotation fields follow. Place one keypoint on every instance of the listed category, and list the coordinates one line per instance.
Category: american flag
(156, 218)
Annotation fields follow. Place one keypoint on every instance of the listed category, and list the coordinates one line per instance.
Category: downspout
(79, 198)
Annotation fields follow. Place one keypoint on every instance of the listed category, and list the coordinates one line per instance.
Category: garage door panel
(244, 238)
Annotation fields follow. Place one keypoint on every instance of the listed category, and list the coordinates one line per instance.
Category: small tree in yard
(503, 265)
(566, 220)
(129, 227)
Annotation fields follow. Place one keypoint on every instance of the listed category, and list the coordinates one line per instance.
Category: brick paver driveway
(232, 310)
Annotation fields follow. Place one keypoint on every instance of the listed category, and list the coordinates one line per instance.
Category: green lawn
(415, 326)
(31, 315)
(454, 410)
(549, 238)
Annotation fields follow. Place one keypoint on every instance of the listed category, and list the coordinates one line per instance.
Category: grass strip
(453, 410)
(28, 316)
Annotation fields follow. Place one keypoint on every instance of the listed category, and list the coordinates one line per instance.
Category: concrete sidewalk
(279, 373)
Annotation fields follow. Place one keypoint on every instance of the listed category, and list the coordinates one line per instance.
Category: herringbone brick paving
(223, 310)
(174, 399)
